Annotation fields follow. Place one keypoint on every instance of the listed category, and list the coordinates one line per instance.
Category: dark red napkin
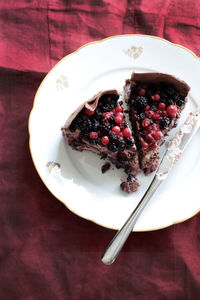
(47, 252)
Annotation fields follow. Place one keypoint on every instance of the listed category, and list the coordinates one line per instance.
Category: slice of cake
(155, 101)
(99, 125)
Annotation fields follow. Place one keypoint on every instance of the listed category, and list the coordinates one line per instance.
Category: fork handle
(120, 238)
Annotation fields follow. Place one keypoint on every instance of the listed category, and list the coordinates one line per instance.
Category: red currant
(156, 97)
(149, 113)
(156, 116)
(105, 140)
(107, 115)
(171, 111)
(161, 106)
(126, 132)
(93, 135)
(157, 134)
(118, 118)
(145, 123)
(118, 109)
(147, 108)
(116, 129)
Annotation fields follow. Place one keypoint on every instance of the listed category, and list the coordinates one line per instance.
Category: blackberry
(129, 142)
(164, 123)
(179, 100)
(107, 107)
(86, 126)
(120, 144)
(97, 114)
(140, 102)
(105, 127)
(76, 123)
(95, 125)
(112, 147)
(169, 102)
(113, 136)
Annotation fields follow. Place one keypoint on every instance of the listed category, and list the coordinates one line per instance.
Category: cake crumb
(105, 167)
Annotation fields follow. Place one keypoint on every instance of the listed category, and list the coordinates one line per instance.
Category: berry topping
(171, 111)
(157, 134)
(164, 123)
(149, 113)
(93, 135)
(89, 112)
(107, 115)
(118, 109)
(140, 102)
(86, 126)
(145, 123)
(156, 97)
(126, 132)
(118, 118)
(161, 106)
(142, 92)
(116, 129)
(105, 127)
(156, 116)
(105, 140)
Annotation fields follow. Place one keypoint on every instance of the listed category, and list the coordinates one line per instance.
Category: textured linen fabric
(46, 251)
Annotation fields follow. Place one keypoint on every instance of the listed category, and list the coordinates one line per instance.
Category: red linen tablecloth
(47, 252)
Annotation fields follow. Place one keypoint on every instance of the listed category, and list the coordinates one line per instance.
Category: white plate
(81, 186)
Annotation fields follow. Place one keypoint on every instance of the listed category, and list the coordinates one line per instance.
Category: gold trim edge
(34, 101)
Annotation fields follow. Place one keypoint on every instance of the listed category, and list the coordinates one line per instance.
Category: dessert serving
(99, 125)
(155, 102)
